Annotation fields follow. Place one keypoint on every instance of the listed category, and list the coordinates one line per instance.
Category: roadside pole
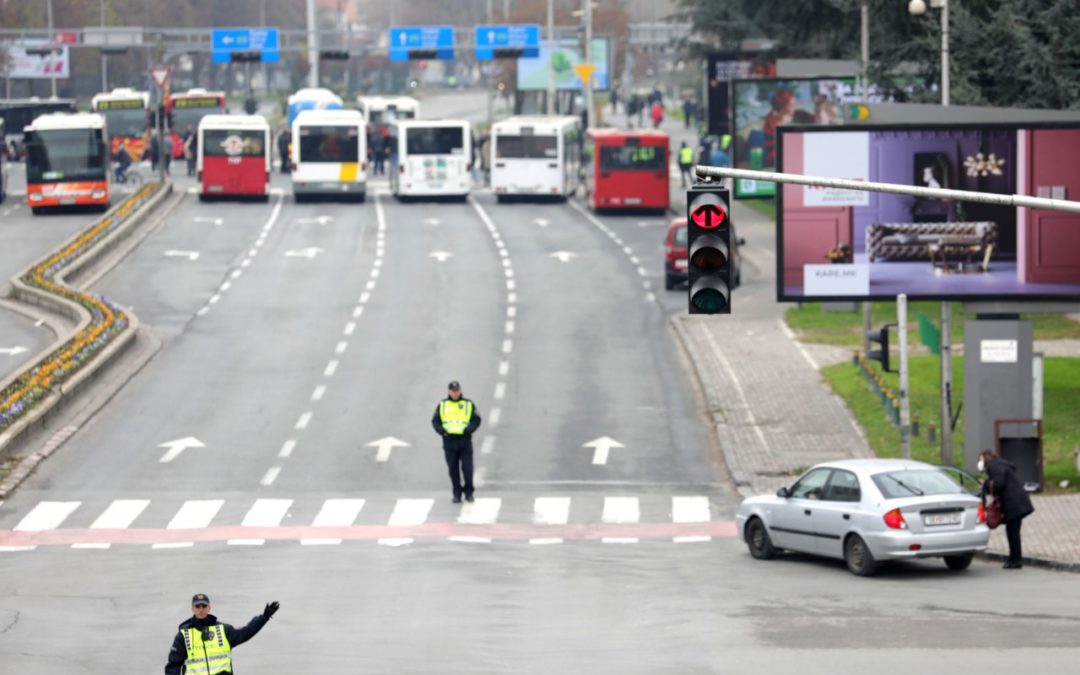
(905, 402)
(551, 57)
(160, 76)
(946, 383)
(590, 98)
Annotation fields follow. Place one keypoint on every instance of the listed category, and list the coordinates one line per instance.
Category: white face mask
(982, 466)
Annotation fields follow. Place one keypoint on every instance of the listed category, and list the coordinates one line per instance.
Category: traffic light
(709, 266)
(334, 55)
(251, 106)
(881, 336)
(245, 57)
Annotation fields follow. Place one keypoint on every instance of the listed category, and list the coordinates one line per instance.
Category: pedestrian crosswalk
(388, 521)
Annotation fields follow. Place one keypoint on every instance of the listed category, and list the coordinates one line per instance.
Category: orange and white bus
(127, 117)
(233, 159)
(67, 161)
(184, 109)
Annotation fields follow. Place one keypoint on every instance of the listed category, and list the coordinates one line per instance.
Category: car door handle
(806, 511)
(847, 516)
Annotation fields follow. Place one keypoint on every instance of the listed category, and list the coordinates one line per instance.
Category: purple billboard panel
(851, 245)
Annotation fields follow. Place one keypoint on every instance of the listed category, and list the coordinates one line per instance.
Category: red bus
(626, 169)
(234, 156)
(67, 161)
(185, 109)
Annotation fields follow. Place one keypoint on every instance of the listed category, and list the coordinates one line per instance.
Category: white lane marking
(500, 391)
(330, 368)
(507, 346)
(46, 516)
(319, 392)
(370, 285)
(357, 312)
(602, 448)
(650, 297)
(502, 252)
(509, 327)
(471, 540)
(551, 510)
(213, 299)
(504, 367)
(634, 259)
(120, 514)
(378, 262)
(305, 419)
(350, 328)
(545, 541)
(236, 274)
(194, 514)
(506, 263)
(270, 476)
(374, 273)
(92, 545)
(619, 540)
(480, 476)
(409, 512)
(509, 272)
(496, 415)
(225, 286)
(739, 388)
(203, 310)
(511, 298)
(395, 541)
(37, 324)
(690, 509)
(621, 510)
(287, 448)
(642, 272)
(263, 513)
(175, 544)
(488, 445)
(385, 447)
(364, 297)
(341, 346)
(511, 312)
(691, 539)
(334, 513)
(246, 262)
(510, 285)
(627, 250)
(484, 511)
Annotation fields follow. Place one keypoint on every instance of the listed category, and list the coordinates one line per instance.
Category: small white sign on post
(998, 351)
(160, 75)
(852, 279)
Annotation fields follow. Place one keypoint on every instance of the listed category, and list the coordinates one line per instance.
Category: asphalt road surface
(279, 447)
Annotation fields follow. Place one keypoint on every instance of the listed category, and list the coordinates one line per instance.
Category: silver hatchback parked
(868, 511)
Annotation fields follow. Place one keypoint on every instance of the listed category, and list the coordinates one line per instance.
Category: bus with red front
(233, 158)
(626, 169)
(67, 161)
(184, 109)
(127, 117)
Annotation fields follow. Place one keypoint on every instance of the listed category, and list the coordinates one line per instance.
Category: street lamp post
(52, 45)
(918, 8)
(551, 57)
(590, 101)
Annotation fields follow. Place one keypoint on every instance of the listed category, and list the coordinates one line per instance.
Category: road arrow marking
(319, 220)
(178, 446)
(564, 256)
(603, 446)
(432, 221)
(13, 351)
(542, 222)
(385, 446)
(190, 255)
(212, 221)
(309, 252)
(441, 256)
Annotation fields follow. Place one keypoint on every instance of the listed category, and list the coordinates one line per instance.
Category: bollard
(915, 427)
(896, 411)
(931, 432)
(855, 357)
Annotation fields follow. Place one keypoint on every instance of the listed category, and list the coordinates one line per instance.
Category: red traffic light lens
(708, 216)
(708, 259)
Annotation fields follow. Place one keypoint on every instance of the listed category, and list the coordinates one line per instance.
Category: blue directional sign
(421, 42)
(261, 41)
(508, 41)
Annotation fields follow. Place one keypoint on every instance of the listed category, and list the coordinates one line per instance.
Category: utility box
(997, 380)
(1020, 442)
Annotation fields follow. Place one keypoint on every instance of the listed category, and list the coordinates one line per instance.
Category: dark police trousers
(459, 461)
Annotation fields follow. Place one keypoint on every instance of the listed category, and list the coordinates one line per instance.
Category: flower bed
(107, 320)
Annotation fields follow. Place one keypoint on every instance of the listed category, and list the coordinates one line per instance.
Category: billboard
(721, 68)
(532, 74)
(850, 245)
(23, 66)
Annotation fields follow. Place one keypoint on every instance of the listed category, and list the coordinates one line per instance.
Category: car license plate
(632, 200)
(942, 519)
(680, 264)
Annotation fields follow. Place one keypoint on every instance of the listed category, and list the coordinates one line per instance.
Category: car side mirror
(740, 241)
(783, 493)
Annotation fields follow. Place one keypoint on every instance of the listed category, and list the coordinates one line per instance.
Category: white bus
(380, 111)
(433, 158)
(538, 156)
(234, 156)
(313, 98)
(329, 154)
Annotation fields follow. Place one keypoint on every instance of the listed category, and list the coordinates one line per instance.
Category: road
(279, 447)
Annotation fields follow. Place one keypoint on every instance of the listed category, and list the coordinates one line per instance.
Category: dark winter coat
(236, 637)
(454, 441)
(1015, 503)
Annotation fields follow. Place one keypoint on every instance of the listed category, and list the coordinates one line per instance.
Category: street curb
(1041, 563)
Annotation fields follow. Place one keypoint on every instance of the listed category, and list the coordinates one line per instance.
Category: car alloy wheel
(858, 557)
(757, 539)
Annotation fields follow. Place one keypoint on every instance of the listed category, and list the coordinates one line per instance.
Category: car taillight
(895, 520)
(982, 513)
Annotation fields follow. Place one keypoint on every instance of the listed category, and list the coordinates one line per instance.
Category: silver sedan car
(868, 511)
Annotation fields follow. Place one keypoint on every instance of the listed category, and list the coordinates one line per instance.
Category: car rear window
(680, 236)
(916, 483)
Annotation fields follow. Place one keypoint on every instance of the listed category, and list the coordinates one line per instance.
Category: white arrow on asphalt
(542, 222)
(309, 252)
(212, 221)
(564, 256)
(13, 351)
(190, 255)
(385, 445)
(432, 221)
(178, 446)
(603, 446)
(319, 220)
(441, 256)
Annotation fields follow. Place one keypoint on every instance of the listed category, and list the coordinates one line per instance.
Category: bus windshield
(234, 143)
(184, 112)
(329, 144)
(632, 158)
(125, 122)
(63, 155)
(435, 141)
(526, 147)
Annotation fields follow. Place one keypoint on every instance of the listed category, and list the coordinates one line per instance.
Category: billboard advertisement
(23, 66)
(532, 74)
(721, 69)
(837, 244)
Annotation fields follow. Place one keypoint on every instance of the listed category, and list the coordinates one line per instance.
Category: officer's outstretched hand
(271, 608)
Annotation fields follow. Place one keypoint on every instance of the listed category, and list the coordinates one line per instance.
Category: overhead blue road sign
(508, 41)
(264, 41)
(421, 42)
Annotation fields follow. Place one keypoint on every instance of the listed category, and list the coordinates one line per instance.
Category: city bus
(233, 157)
(312, 99)
(329, 154)
(127, 118)
(67, 161)
(18, 113)
(380, 111)
(433, 158)
(538, 156)
(185, 109)
(626, 169)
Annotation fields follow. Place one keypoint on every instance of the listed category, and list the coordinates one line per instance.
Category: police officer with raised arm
(456, 420)
(203, 646)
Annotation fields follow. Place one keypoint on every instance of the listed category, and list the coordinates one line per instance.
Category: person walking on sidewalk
(456, 420)
(686, 163)
(1007, 489)
(203, 646)
(657, 114)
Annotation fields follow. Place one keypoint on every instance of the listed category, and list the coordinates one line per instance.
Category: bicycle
(132, 176)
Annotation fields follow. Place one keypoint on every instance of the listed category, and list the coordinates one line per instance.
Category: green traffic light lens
(708, 259)
(709, 300)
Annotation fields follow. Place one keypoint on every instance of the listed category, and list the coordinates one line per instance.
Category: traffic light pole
(905, 400)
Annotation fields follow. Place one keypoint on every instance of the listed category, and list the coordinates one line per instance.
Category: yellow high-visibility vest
(455, 416)
(207, 657)
(686, 155)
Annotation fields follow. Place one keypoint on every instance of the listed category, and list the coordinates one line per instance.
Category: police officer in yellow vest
(456, 420)
(686, 162)
(203, 646)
